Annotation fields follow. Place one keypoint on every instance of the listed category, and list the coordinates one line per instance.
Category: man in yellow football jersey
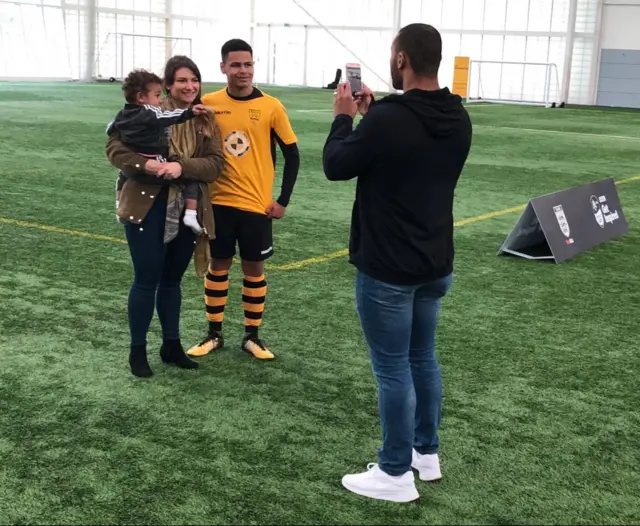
(251, 123)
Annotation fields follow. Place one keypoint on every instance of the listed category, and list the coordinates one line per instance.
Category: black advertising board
(561, 225)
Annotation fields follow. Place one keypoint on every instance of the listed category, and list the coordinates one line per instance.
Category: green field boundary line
(289, 266)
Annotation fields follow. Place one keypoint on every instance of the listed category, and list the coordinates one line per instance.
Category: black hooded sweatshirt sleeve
(407, 154)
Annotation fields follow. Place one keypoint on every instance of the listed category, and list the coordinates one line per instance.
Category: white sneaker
(428, 466)
(376, 484)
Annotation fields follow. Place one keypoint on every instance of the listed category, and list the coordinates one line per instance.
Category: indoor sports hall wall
(303, 42)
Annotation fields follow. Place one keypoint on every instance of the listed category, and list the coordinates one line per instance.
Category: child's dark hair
(137, 82)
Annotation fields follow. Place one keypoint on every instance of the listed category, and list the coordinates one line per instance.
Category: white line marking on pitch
(562, 132)
(532, 130)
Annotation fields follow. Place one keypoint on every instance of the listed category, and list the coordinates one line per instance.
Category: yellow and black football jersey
(250, 127)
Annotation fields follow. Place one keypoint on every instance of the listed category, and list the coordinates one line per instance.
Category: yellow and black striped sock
(216, 291)
(254, 293)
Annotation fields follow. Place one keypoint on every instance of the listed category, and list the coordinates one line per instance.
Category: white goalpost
(530, 83)
(122, 52)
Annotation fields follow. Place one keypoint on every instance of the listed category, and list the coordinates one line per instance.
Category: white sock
(191, 220)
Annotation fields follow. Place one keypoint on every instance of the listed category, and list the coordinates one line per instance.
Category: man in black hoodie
(407, 154)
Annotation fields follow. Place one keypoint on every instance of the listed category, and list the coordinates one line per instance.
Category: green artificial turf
(540, 361)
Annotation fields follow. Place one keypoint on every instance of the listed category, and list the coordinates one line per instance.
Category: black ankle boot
(138, 361)
(172, 352)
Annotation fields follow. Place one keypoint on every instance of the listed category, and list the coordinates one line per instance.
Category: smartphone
(354, 76)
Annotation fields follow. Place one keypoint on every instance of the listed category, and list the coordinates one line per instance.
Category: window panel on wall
(108, 3)
(560, 15)
(369, 13)
(57, 52)
(471, 46)
(288, 55)
(494, 14)
(537, 49)
(72, 30)
(473, 14)
(193, 7)
(260, 53)
(431, 13)
(450, 49)
(517, 14)
(323, 58)
(143, 47)
(451, 14)
(411, 12)
(204, 36)
(579, 88)
(535, 77)
(514, 48)
(38, 2)
(158, 26)
(159, 6)
(557, 47)
(176, 7)
(233, 13)
(107, 46)
(124, 23)
(325, 55)
(492, 47)
(142, 25)
(540, 15)
(490, 73)
(13, 36)
(125, 4)
(586, 16)
(38, 45)
(142, 5)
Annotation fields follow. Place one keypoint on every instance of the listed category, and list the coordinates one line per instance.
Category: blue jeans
(158, 271)
(399, 325)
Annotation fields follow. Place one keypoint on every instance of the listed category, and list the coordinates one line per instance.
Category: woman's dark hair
(174, 64)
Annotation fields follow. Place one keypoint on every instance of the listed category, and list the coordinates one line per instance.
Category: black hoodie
(407, 152)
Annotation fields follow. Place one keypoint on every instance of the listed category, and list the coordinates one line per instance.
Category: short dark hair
(235, 44)
(138, 81)
(422, 44)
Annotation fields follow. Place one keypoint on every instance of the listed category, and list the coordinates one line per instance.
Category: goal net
(122, 52)
(513, 83)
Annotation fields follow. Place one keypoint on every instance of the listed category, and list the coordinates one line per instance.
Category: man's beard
(396, 78)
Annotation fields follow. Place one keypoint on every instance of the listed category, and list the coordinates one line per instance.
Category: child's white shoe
(191, 220)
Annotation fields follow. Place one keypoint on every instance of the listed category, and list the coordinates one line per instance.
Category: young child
(144, 126)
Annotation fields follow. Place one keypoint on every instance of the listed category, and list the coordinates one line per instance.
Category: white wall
(621, 25)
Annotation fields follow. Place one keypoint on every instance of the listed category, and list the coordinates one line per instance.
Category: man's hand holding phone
(363, 99)
(344, 103)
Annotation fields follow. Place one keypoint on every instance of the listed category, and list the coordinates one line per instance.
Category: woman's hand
(170, 170)
(152, 166)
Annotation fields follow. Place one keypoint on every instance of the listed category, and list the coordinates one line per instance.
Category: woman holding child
(160, 243)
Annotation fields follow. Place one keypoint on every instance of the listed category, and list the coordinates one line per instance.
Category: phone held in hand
(354, 76)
